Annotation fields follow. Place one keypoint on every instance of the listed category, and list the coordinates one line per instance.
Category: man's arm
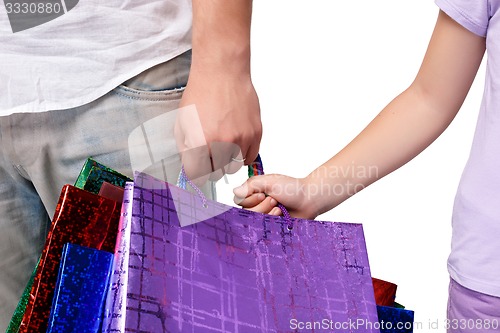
(220, 85)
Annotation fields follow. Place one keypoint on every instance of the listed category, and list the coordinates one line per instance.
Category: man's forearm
(221, 88)
(221, 35)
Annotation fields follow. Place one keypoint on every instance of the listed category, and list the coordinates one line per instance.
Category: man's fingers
(197, 164)
(252, 153)
(225, 157)
(192, 145)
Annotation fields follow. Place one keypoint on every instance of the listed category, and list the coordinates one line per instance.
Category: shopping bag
(96, 178)
(115, 306)
(81, 218)
(385, 292)
(93, 174)
(392, 316)
(235, 271)
(81, 286)
(395, 320)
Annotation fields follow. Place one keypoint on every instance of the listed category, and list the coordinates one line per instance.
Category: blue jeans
(41, 152)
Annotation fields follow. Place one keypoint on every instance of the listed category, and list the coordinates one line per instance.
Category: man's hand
(221, 89)
(228, 111)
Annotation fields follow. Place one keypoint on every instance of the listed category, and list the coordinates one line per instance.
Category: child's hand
(291, 192)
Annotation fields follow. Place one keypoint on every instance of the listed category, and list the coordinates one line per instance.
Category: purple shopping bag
(236, 271)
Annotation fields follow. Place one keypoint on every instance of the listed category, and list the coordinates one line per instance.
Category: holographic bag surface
(234, 271)
(87, 214)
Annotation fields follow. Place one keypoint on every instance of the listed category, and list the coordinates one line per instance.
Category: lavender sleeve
(472, 15)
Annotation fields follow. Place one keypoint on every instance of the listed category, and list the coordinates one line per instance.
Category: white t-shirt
(474, 261)
(86, 52)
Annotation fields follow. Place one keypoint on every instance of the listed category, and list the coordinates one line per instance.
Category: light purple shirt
(474, 261)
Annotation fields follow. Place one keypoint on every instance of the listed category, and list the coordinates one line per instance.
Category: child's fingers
(266, 206)
(250, 201)
(256, 184)
(276, 211)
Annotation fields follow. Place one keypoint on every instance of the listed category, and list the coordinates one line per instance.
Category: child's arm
(405, 127)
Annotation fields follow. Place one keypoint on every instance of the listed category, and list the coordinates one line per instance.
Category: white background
(323, 69)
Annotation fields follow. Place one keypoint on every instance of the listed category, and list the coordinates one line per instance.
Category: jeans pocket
(164, 81)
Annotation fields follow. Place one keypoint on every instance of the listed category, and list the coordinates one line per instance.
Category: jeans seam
(153, 96)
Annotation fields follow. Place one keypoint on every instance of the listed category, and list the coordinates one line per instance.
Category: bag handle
(182, 182)
(254, 169)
